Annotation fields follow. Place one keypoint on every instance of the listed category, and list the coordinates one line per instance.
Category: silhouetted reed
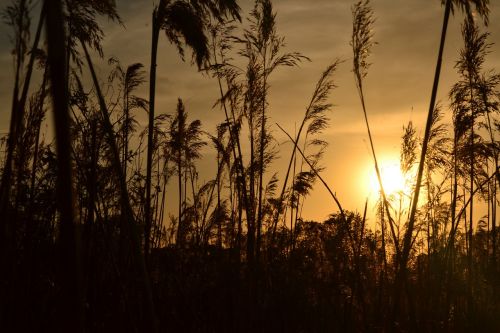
(93, 239)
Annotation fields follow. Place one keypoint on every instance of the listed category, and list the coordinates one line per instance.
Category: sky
(397, 88)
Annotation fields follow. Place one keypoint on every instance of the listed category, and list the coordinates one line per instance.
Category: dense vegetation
(86, 240)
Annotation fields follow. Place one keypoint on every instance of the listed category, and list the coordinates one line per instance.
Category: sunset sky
(397, 87)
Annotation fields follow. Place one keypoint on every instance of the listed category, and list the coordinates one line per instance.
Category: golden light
(392, 178)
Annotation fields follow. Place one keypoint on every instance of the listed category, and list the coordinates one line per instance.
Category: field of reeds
(106, 226)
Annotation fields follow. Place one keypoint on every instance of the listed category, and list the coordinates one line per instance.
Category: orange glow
(392, 178)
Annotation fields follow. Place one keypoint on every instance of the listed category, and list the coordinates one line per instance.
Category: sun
(392, 178)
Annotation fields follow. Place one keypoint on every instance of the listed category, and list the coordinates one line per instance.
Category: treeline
(87, 240)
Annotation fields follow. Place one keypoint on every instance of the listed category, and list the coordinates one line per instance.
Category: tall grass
(238, 254)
